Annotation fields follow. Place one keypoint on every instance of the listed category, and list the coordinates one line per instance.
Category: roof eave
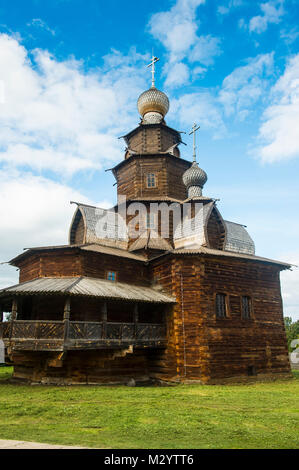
(231, 255)
(139, 155)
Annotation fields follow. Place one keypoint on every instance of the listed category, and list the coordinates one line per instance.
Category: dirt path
(4, 444)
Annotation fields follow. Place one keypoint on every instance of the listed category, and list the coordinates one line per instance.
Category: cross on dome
(194, 178)
(153, 104)
(195, 128)
(152, 65)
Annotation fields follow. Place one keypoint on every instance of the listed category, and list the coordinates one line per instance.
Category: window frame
(151, 178)
(224, 303)
(248, 315)
(110, 271)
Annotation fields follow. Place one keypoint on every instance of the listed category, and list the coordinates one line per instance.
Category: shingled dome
(194, 179)
(153, 101)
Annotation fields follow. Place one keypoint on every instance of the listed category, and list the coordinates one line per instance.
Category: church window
(220, 305)
(151, 180)
(246, 307)
(111, 276)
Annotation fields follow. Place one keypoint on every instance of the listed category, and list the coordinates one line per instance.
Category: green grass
(262, 415)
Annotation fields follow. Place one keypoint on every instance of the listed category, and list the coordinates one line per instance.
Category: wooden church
(125, 303)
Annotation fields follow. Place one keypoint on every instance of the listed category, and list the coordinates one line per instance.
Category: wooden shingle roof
(90, 287)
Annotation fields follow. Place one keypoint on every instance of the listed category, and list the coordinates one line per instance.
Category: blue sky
(70, 75)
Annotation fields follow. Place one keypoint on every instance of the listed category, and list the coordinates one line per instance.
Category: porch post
(14, 313)
(136, 319)
(104, 319)
(14, 309)
(66, 317)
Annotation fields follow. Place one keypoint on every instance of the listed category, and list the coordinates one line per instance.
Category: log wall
(202, 347)
(212, 350)
(153, 139)
(68, 263)
(84, 367)
(132, 177)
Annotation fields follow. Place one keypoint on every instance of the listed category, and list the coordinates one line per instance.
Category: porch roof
(90, 287)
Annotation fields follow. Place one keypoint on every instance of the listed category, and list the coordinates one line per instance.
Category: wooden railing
(80, 333)
(4, 330)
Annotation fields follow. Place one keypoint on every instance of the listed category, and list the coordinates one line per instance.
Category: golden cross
(152, 64)
(195, 128)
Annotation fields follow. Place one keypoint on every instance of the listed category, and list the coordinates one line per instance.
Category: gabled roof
(150, 239)
(98, 224)
(90, 287)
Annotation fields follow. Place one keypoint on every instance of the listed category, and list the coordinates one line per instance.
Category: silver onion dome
(194, 179)
(153, 101)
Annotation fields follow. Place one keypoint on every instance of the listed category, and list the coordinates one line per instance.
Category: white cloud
(246, 85)
(58, 117)
(223, 10)
(242, 24)
(279, 132)
(228, 6)
(205, 49)
(272, 13)
(178, 74)
(176, 28)
(41, 24)
(34, 211)
(199, 71)
(289, 36)
(199, 107)
(241, 91)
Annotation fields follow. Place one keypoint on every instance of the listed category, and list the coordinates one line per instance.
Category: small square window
(151, 180)
(111, 276)
(246, 307)
(220, 305)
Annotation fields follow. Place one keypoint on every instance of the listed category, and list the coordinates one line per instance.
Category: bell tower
(152, 168)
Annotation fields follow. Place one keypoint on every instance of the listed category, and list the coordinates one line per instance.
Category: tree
(292, 330)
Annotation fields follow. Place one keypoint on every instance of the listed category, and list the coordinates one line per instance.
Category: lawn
(263, 415)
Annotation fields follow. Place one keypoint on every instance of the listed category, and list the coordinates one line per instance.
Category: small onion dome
(153, 101)
(194, 179)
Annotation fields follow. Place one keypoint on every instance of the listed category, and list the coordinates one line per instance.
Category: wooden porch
(75, 335)
(49, 314)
